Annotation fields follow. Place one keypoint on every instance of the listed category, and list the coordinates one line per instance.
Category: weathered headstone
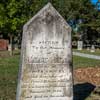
(80, 45)
(46, 58)
(92, 48)
(9, 47)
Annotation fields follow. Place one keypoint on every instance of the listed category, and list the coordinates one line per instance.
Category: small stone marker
(46, 58)
(9, 47)
(92, 48)
(80, 45)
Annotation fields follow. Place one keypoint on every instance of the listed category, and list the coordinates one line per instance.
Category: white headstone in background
(9, 47)
(80, 45)
(46, 58)
(92, 48)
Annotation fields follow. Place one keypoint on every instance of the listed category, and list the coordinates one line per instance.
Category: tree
(14, 13)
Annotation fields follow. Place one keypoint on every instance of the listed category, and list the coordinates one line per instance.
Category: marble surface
(46, 58)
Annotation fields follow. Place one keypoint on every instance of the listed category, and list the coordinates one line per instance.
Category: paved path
(86, 55)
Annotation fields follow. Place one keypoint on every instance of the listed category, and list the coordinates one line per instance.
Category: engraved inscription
(47, 76)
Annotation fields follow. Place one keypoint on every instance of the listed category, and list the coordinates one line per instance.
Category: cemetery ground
(86, 77)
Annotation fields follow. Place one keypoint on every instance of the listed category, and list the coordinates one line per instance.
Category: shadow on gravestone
(82, 91)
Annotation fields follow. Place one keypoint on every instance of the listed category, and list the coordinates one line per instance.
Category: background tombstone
(92, 48)
(46, 58)
(9, 47)
(80, 45)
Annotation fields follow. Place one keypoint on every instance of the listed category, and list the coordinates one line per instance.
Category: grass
(8, 77)
(97, 52)
(9, 71)
(85, 62)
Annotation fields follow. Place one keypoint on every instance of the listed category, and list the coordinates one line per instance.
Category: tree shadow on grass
(82, 91)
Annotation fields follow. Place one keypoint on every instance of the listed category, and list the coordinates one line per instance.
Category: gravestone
(92, 48)
(9, 47)
(80, 45)
(46, 58)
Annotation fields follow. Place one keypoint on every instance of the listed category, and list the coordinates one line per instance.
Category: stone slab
(46, 58)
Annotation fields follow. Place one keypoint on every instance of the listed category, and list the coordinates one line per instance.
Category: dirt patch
(90, 75)
(87, 83)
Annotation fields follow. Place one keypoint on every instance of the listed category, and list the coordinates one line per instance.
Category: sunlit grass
(79, 62)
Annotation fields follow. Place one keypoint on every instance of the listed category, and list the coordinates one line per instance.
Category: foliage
(14, 13)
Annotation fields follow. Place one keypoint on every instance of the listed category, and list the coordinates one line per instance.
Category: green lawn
(8, 77)
(85, 62)
(9, 72)
(97, 52)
